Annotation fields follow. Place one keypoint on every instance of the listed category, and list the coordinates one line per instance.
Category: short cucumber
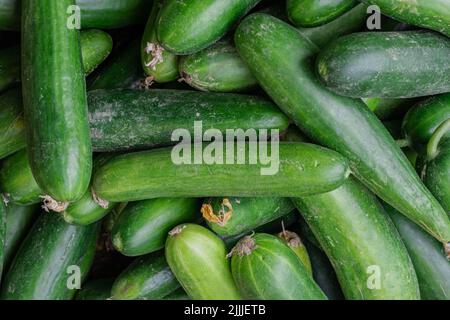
(293, 241)
(185, 27)
(143, 226)
(42, 267)
(147, 278)
(384, 64)
(284, 70)
(264, 268)
(313, 13)
(198, 259)
(232, 216)
(98, 289)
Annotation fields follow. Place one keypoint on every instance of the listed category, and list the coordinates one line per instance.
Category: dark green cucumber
(143, 226)
(3, 217)
(346, 125)
(40, 270)
(293, 241)
(147, 278)
(178, 294)
(198, 258)
(98, 289)
(232, 216)
(384, 64)
(431, 14)
(313, 13)
(369, 258)
(305, 168)
(432, 268)
(185, 27)
(264, 268)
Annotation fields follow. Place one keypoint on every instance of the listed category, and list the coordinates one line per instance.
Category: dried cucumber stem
(244, 247)
(101, 202)
(50, 204)
(177, 230)
(156, 51)
(6, 198)
(291, 238)
(147, 82)
(185, 78)
(222, 217)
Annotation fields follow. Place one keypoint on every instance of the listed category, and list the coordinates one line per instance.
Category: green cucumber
(143, 226)
(264, 267)
(178, 294)
(280, 58)
(185, 27)
(305, 168)
(3, 217)
(431, 14)
(42, 268)
(147, 278)
(366, 251)
(313, 13)
(432, 268)
(98, 289)
(232, 216)
(384, 64)
(198, 258)
(293, 241)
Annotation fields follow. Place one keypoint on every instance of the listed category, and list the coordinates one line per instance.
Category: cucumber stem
(177, 230)
(291, 238)
(244, 247)
(433, 144)
(101, 202)
(156, 51)
(50, 204)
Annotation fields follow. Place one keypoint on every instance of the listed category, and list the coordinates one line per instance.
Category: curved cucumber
(143, 226)
(343, 124)
(198, 259)
(45, 261)
(147, 278)
(313, 13)
(98, 289)
(232, 216)
(264, 267)
(293, 241)
(366, 251)
(185, 27)
(384, 64)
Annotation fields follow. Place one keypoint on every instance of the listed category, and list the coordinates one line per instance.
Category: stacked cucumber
(95, 205)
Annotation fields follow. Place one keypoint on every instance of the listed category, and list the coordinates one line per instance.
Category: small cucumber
(264, 267)
(293, 241)
(384, 64)
(143, 226)
(147, 278)
(198, 258)
(98, 289)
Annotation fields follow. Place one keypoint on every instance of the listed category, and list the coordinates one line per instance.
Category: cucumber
(158, 63)
(431, 14)
(98, 289)
(96, 45)
(147, 278)
(340, 123)
(198, 259)
(432, 268)
(369, 258)
(40, 270)
(178, 294)
(264, 268)
(384, 64)
(232, 216)
(2, 235)
(185, 27)
(293, 241)
(143, 226)
(313, 13)
(217, 68)
(306, 169)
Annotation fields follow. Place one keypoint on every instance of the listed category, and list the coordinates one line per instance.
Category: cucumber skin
(249, 213)
(129, 177)
(98, 289)
(38, 272)
(355, 233)
(313, 13)
(198, 259)
(432, 267)
(282, 276)
(185, 27)
(383, 64)
(340, 123)
(142, 227)
(146, 278)
(431, 14)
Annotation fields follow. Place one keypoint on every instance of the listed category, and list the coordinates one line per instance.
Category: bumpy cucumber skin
(39, 270)
(2, 235)
(273, 271)
(432, 267)
(431, 14)
(143, 226)
(313, 13)
(96, 45)
(188, 26)
(146, 278)
(198, 259)
(340, 123)
(356, 234)
(248, 213)
(384, 64)
(98, 289)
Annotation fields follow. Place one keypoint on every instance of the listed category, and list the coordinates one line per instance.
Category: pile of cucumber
(95, 207)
